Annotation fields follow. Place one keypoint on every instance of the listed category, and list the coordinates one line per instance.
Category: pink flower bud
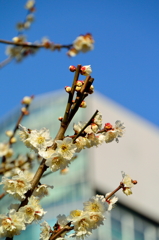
(79, 83)
(60, 119)
(72, 68)
(108, 126)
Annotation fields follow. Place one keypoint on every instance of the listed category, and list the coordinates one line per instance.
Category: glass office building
(76, 187)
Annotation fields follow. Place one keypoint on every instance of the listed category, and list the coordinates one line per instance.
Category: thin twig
(82, 95)
(88, 123)
(5, 62)
(15, 129)
(32, 45)
(2, 195)
(65, 122)
(41, 169)
(65, 229)
(113, 192)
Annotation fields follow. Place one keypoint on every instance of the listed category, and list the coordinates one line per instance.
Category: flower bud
(79, 83)
(46, 42)
(16, 39)
(91, 89)
(25, 111)
(108, 126)
(78, 88)
(86, 70)
(60, 119)
(134, 181)
(64, 171)
(30, 4)
(9, 133)
(26, 100)
(68, 89)
(83, 104)
(72, 68)
(13, 140)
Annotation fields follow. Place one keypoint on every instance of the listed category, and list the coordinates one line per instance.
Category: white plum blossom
(128, 184)
(78, 127)
(96, 218)
(17, 186)
(41, 191)
(100, 138)
(98, 120)
(11, 225)
(127, 181)
(81, 143)
(86, 70)
(62, 220)
(119, 127)
(57, 162)
(37, 140)
(66, 148)
(45, 231)
(32, 211)
(82, 223)
(48, 153)
(4, 149)
(24, 136)
(113, 133)
(84, 43)
(40, 139)
(96, 204)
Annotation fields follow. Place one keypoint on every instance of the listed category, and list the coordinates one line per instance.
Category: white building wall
(137, 153)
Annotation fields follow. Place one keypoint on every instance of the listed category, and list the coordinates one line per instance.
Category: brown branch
(65, 122)
(67, 119)
(5, 62)
(3, 170)
(65, 229)
(88, 123)
(81, 96)
(32, 45)
(15, 129)
(41, 169)
(2, 195)
(113, 192)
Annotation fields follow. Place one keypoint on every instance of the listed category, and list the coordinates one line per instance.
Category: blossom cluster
(18, 185)
(83, 221)
(30, 6)
(82, 43)
(16, 221)
(93, 135)
(19, 52)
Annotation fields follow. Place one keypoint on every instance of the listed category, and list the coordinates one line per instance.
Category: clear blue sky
(124, 62)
